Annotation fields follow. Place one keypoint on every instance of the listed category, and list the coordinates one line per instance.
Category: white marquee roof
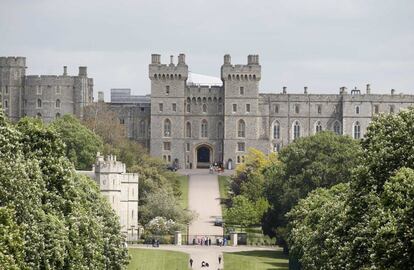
(199, 79)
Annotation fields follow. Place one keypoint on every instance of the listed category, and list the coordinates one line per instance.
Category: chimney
(368, 89)
(181, 59)
(392, 91)
(253, 59)
(342, 90)
(305, 90)
(227, 59)
(171, 60)
(83, 71)
(155, 59)
(284, 89)
(65, 71)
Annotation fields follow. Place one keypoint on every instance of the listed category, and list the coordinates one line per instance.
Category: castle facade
(192, 120)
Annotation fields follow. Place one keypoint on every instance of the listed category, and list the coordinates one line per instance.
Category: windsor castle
(193, 120)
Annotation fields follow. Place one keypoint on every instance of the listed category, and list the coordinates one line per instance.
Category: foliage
(81, 143)
(316, 227)
(11, 241)
(248, 179)
(64, 221)
(321, 160)
(161, 226)
(244, 212)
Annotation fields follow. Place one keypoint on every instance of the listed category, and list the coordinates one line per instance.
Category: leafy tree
(244, 212)
(248, 179)
(316, 228)
(81, 143)
(65, 221)
(11, 241)
(321, 160)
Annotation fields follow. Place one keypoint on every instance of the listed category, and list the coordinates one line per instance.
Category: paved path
(204, 253)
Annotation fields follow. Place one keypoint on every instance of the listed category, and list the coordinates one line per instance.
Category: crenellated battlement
(159, 71)
(108, 164)
(249, 72)
(13, 61)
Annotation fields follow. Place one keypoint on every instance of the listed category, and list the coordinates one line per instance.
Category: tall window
(39, 90)
(276, 147)
(241, 147)
(241, 129)
(58, 90)
(376, 109)
(337, 128)
(356, 109)
(241, 90)
(297, 108)
(296, 130)
(276, 130)
(142, 128)
(204, 128)
(220, 107)
(6, 104)
(167, 146)
(174, 107)
(220, 130)
(248, 108)
(161, 107)
(167, 128)
(188, 107)
(319, 109)
(188, 130)
(318, 127)
(357, 130)
(234, 107)
(392, 108)
(204, 108)
(167, 90)
(57, 103)
(39, 103)
(276, 108)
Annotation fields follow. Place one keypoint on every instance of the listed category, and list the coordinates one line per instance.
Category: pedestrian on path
(191, 262)
(219, 258)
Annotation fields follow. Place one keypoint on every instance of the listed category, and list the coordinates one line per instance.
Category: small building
(121, 190)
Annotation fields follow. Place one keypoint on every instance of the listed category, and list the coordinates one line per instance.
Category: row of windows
(39, 90)
(318, 128)
(204, 100)
(167, 76)
(40, 103)
(188, 107)
(336, 108)
(243, 77)
(39, 115)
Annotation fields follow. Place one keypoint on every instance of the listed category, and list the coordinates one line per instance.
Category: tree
(64, 220)
(316, 228)
(245, 213)
(248, 179)
(321, 160)
(81, 143)
(11, 241)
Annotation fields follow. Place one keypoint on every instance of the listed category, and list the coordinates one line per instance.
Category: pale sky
(322, 44)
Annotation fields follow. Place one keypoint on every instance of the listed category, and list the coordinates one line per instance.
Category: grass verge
(184, 191)
(256, 260)
(149, 259)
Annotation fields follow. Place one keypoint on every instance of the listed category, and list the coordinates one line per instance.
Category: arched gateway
(204, 154)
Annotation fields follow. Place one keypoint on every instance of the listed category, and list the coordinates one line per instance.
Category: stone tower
(83, 91)
(241, 107)
(12, 77)
(168, 84)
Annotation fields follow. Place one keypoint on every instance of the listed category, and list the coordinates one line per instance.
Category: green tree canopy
(321, 160)
(81, 143)
(244, 212)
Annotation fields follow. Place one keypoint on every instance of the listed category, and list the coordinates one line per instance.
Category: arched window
(357, 130)
(204, 108)
(204, 128)
(318, 127)
(296, 130)
(188, 107)
(142, 128)
(188, 130)
(241, 129)
(220, 130)
(357, 109)
(167, 128)
(337, 128)
(39, 103)
(57, 103)
(39, 115)
(57, 115)
(6, 104)
(276, 130)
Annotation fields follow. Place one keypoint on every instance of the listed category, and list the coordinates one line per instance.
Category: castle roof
(199, 79)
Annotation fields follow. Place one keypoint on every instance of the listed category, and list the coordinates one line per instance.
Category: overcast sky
(320, 44)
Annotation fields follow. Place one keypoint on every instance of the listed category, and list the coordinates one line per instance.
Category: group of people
(204, 263)
(203, 241)
(216, 167)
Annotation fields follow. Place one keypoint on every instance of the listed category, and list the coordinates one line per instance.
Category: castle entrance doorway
(203, 156)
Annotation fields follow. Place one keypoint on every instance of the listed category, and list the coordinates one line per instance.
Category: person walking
(191, 262)
(219, 259)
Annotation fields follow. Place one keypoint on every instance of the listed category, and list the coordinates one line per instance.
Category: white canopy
(199, 79)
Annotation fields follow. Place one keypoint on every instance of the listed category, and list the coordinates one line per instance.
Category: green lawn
(153, 259)
(256, 260)
(184, 191)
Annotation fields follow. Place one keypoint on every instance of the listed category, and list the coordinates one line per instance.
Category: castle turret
(83, 91)
(12, 77)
